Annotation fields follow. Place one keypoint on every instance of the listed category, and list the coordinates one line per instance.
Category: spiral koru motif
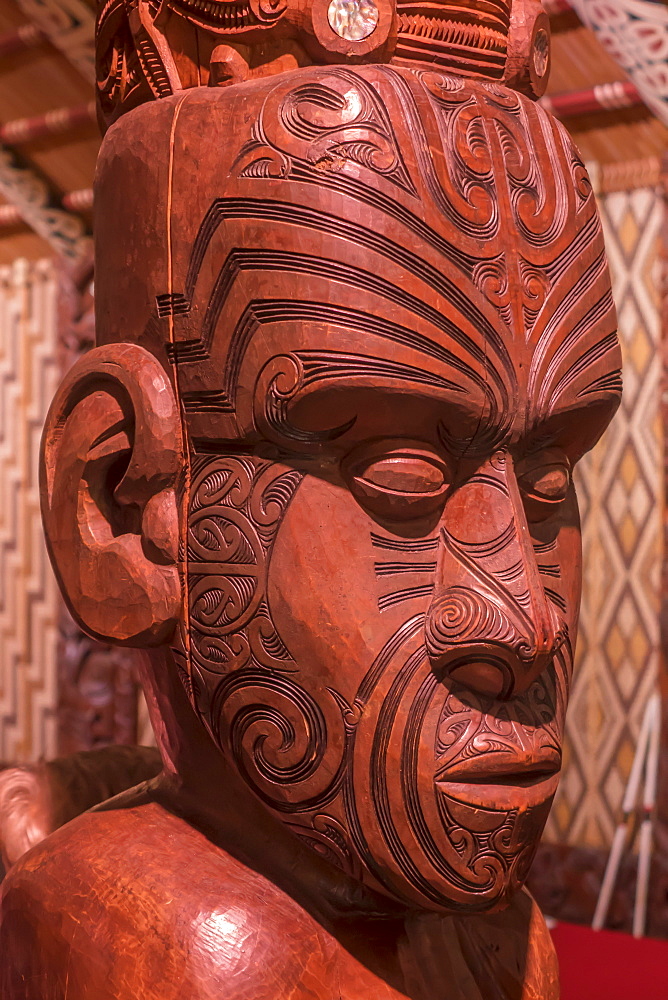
(462, 616)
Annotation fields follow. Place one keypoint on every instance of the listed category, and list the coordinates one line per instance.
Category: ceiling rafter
(70, 27)
(55, 122)
(592, 100)
(634, 33)
(25, 37)
(74, 201)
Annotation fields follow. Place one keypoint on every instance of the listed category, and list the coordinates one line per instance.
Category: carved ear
(112, 464)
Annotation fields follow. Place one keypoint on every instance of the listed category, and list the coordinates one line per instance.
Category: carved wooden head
(380, 300)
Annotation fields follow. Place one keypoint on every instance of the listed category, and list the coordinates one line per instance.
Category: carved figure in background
(321, 467)
(35, 799)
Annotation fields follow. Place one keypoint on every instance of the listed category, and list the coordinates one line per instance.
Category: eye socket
(544, 479)
(398, 483)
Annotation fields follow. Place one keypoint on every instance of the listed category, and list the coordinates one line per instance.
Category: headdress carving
(148, 49)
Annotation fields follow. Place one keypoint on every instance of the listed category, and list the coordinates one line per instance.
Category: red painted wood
(55, 122)
(604, 97)
(25, 37)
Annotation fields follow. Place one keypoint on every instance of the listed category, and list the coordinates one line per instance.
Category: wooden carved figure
(355, 330)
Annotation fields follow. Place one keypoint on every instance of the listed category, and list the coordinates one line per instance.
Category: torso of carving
(370, 309)
(137, 923)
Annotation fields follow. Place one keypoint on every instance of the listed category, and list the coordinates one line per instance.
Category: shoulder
(135, 902)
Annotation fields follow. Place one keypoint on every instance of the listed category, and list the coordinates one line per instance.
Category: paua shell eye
(397, 482)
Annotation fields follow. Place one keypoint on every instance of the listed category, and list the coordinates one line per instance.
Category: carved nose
(490, 625)
(472, 639)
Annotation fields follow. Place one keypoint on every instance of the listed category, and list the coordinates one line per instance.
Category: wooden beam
(604, 97)
(25, 37)
(70, 26)
(74, 201)
(52, 123)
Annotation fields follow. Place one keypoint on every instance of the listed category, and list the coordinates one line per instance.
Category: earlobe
(111, 471)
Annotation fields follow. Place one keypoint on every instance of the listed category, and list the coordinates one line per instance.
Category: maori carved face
(388, 308)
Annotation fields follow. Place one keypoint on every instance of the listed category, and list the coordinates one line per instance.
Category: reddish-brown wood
(355, 329)
(97, 689)
(148, 49)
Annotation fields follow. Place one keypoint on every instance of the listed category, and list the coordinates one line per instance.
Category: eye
(544, 479)
(398, 483)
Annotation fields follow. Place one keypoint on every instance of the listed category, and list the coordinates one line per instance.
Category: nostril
(476, 643)
(484, 676)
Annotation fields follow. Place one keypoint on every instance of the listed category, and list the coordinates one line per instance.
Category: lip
(502, 780)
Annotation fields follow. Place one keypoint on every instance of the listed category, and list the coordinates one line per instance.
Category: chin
(474, 858)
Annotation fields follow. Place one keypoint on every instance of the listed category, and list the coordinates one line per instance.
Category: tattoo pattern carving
(311, 759)
(502, 282)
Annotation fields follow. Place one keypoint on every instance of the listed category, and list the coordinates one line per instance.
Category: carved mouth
(502, 780)
(501, 789)
(435, 31)
(498, 767)
(522, 779)
(225, 15)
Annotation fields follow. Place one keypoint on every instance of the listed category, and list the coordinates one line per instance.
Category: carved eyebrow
(562, 426)
(322, 365)
(290, 310)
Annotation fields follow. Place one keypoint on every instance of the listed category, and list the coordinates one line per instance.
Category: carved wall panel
(29, 599)
(621, 491)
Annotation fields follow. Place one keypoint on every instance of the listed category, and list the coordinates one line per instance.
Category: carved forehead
(443, 226)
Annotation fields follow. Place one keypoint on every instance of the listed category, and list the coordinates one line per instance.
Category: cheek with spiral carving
(285, 740)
